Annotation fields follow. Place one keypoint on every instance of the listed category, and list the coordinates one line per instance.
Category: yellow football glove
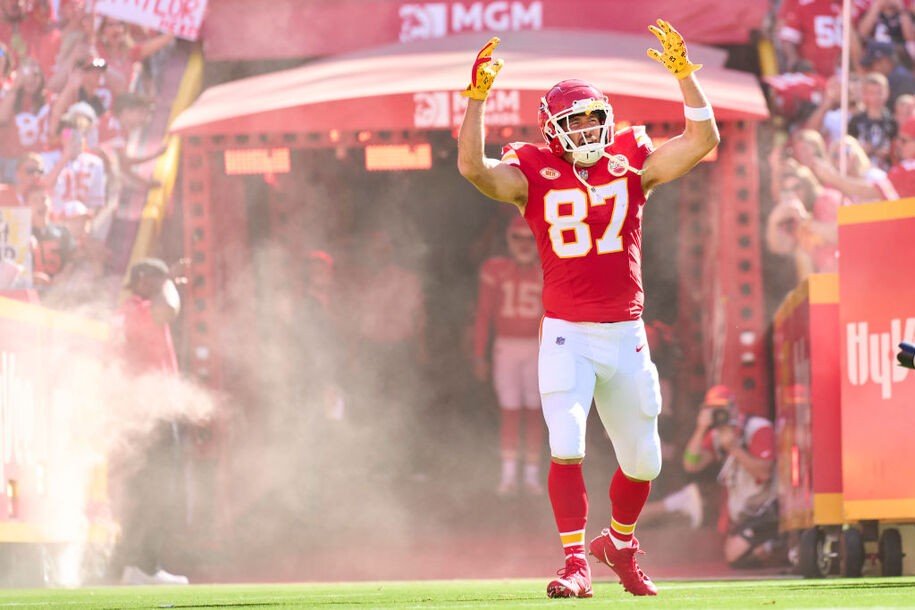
(674, 56)
(484, 72)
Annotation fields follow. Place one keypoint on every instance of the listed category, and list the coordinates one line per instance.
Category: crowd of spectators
(78, 91)
(825, 157)
(77, 94)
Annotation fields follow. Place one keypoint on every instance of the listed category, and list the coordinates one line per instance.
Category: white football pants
(611, 364)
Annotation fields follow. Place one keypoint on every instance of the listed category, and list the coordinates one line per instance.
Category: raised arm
(490, 176)
(681, 153)
(852, 186)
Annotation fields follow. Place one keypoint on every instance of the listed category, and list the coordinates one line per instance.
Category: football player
(582, 193)
(509, 307)
(810, 32)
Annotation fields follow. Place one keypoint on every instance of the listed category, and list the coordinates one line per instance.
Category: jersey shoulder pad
(523, 153)
(635, 137)
(494, 268)
(496, 262)
(632, 143)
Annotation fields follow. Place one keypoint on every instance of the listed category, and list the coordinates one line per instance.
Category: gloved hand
(674, 55)
(484, 72)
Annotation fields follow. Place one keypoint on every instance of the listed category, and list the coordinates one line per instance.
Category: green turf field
(774, 594)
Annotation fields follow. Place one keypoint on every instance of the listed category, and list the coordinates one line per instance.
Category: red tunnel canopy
(415, 86)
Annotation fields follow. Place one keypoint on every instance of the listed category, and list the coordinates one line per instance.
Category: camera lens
(720, 417)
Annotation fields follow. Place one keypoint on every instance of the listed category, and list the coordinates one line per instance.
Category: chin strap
(578, 175)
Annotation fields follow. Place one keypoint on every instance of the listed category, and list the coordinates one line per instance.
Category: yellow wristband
(692, 458)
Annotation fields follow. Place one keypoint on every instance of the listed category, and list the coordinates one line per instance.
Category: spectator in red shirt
(153, 304)
(25, 112)
(149, 498)
(810, 30)
(28, 30)
(122, 53)
(509, 306)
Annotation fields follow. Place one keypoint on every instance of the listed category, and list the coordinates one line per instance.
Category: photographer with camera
(744, 445)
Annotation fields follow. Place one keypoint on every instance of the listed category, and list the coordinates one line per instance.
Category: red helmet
(568, 98)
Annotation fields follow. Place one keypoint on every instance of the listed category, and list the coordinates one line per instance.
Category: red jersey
(899, 181)
(27, 132)
(148, 344)
(8, 197)
(52, 248)
(815, 26)
(590, 240)
(36, 39)
(795, 92)
(109, 129)
(509, 301)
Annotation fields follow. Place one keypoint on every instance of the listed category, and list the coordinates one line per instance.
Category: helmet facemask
(557, 129)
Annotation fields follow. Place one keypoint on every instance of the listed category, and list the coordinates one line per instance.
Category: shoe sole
(561, 591)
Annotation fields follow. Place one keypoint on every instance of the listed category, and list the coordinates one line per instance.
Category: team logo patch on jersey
(560, 340)
(549, 173)
(618, 164)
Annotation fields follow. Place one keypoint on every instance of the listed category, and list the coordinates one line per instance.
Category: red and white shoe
(574, 579)
(622, 561)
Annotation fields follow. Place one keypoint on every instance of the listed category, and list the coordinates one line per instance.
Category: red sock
(533, 434)
(627, 498)
(566, 485)
(511, 423)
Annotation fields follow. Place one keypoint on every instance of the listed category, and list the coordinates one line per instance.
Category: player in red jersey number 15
(581, 192)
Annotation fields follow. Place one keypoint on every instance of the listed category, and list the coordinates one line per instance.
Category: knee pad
(647, 464)
(566, 430)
